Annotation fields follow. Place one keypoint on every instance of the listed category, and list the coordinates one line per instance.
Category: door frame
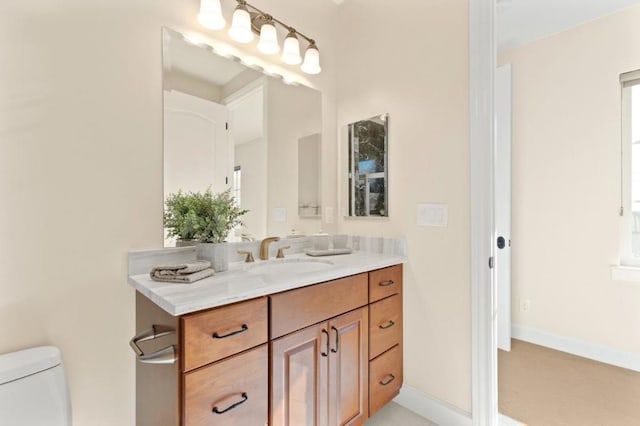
(482, 63)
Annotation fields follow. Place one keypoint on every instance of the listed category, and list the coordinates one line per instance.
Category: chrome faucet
(264, 247)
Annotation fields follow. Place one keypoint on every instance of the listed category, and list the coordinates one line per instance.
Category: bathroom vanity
(272, 349)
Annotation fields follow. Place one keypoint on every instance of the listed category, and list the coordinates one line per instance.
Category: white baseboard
(508, 421)
(430, 408)
(604, 354)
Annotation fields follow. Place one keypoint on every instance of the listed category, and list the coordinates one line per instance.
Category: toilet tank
(33, 388)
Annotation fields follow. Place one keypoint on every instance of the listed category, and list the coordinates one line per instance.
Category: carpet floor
(544, 387)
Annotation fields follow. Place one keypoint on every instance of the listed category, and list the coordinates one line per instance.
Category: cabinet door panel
(385, 282)
(233, 392)
(385, 378)
(299, 378)
(385, 325)
(348, 366)
(295, 309)
(217, 333)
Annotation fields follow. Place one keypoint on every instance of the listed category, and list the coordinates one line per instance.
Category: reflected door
(196, 144)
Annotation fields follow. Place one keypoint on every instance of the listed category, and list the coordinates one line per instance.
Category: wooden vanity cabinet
(319, 373)
(385, 336)
(324, 355)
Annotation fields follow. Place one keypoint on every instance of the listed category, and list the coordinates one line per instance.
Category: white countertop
(239, 283)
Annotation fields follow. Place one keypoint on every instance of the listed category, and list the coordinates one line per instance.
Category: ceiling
(522, 21)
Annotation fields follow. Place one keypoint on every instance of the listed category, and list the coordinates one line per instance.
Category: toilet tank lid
(16, 365)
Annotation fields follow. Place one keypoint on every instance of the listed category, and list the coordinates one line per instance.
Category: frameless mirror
(368, 172)
(309, 153)
(230, 126)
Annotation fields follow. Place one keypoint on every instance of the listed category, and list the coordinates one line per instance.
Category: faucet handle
(281, 250)
(249, 254)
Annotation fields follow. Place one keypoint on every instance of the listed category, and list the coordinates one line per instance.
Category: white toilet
(33, 388)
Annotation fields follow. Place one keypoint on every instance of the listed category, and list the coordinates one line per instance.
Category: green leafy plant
(204, 217)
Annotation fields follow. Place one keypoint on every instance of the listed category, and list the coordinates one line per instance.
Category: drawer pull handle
(389, 380)
(327, 351)
(389, 324)
(232, 406)
(233, 333)
(337, 348)
(386, 283)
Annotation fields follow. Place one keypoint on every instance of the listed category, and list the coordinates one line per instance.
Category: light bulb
(240, 29)
(291, 49)
(268, 43)
(210, 15)
(311, 64)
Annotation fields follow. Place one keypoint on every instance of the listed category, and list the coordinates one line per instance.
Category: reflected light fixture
(248, 19)
(210, 15)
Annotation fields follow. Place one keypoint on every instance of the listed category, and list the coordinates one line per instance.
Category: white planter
(216, 253)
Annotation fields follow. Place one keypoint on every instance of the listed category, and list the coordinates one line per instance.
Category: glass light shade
(210, 15)
(311, 64)
(291, 50)
(240, 29)
(268, 43)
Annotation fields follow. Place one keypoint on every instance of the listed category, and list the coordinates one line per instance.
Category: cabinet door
(348, 368)
(299, 363)
(232, 392)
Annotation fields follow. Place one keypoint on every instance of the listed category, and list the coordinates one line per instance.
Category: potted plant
(206, 218)
(179, 218)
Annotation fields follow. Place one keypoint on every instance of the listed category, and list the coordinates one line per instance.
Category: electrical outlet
(525, 305)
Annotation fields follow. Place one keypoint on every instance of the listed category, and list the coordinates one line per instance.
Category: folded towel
(182, 273)
(181, 278)
(182, 268)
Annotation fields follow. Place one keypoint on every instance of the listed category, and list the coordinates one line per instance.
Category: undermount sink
(289, 266)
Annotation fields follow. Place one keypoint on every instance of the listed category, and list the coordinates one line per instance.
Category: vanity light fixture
(210, 15)
(248, 19)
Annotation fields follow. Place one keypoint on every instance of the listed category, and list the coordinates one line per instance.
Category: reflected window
(368, 173)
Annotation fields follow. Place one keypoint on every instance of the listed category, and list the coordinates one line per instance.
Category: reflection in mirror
(230, 126)
(368, 174)
(309, 151)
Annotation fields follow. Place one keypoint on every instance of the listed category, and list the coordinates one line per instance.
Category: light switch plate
(279, 214)
(433, 215)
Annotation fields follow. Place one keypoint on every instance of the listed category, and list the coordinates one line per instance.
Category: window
(630, 203)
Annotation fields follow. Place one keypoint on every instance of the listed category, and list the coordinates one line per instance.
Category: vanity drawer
(296, 309)
(385, 282)
(385, 378)
(233, 392)
(220, 332)
(385, 325)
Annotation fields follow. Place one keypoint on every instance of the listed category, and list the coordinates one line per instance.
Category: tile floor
(393, 414)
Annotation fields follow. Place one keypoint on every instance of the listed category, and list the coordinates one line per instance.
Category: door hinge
(491, 262)
(226, 126)
(621, 211)
(226, 180)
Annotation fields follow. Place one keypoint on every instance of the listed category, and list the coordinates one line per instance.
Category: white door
(502, 208)
(196, 144)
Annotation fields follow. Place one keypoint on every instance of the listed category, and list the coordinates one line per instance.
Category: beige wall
(81, 175)
(81, 172)
(566, 182)
(411, 60)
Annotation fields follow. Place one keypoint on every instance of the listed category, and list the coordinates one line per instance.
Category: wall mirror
(368, 170)
(230, 126)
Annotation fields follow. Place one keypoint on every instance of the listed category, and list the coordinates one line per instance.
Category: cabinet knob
(232, 406)
(388, 380)
(389, 324)
(244, 328)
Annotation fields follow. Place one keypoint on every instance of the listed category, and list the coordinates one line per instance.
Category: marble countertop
(246, 281)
